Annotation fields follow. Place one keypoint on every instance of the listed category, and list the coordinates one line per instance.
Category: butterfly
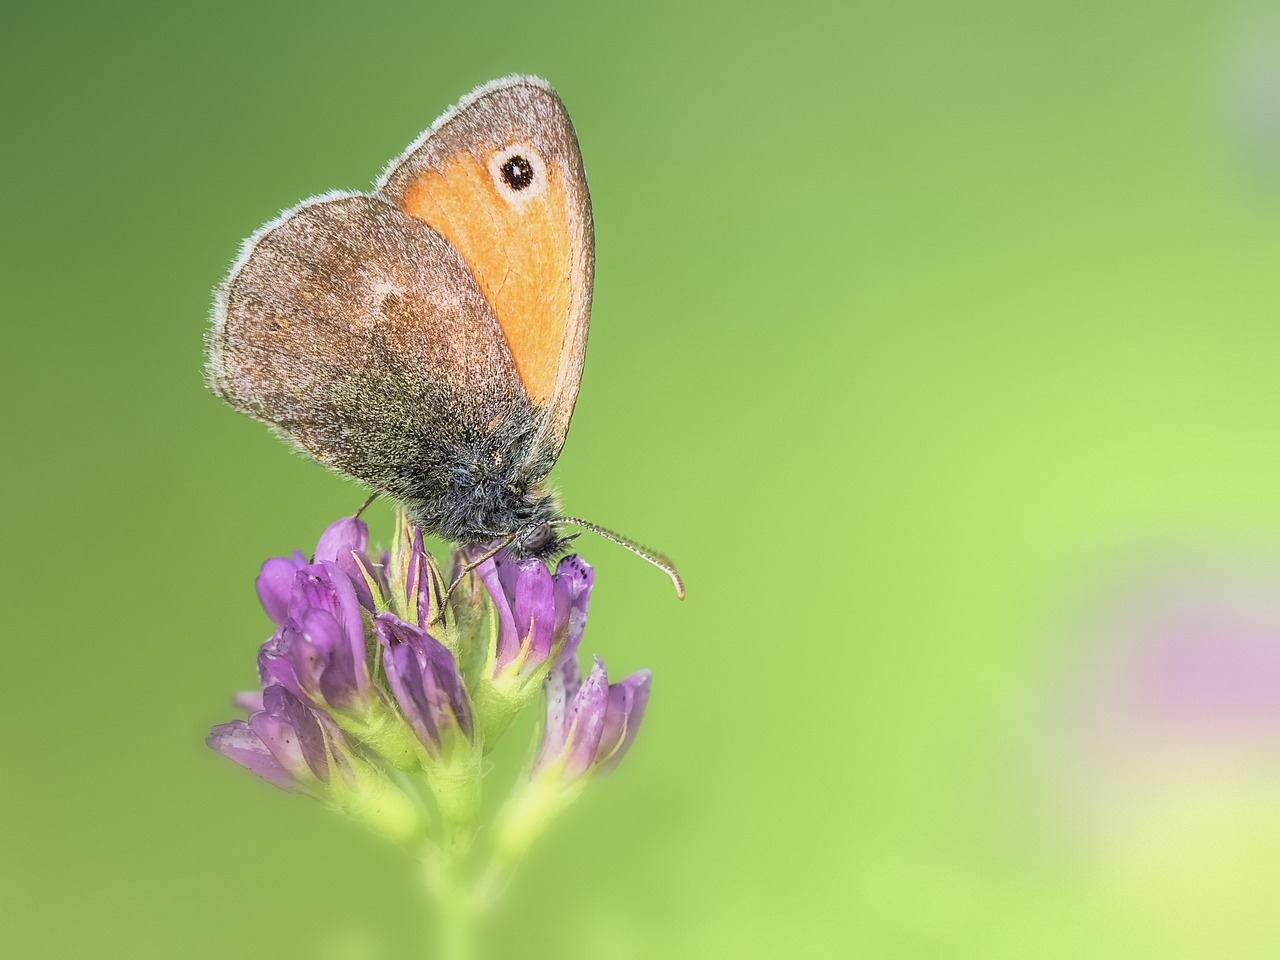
(427, 339)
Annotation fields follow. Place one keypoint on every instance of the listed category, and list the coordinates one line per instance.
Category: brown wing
(500, 177)
(360, 335)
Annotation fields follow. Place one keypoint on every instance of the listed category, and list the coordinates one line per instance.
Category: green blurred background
(910, 319)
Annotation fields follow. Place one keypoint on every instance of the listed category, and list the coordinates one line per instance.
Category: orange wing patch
(519, 249)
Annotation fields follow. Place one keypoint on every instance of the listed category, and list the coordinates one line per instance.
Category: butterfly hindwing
(360, 335)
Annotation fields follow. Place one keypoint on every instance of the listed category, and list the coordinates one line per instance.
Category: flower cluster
(381, 687)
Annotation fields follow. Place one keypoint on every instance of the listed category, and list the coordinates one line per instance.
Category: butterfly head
(539, 539)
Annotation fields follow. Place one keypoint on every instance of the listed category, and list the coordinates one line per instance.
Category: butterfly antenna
(661, 561)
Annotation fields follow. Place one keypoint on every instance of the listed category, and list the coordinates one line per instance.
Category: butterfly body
(427, 339)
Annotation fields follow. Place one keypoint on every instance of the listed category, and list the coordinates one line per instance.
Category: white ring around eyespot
(531, 156)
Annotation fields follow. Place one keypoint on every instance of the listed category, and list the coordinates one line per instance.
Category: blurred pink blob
(1171, 691)
(1207, 666)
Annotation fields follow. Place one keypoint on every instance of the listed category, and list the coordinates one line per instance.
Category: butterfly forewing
(500, 177)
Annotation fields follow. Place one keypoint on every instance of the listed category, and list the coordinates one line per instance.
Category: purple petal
(508, 574)
(237, 742)
(313, 586)
(417, 584)
(587, 715)
(323, 661)
(627, 700)
(535, 608)
(404, 674)
(250, 701)
(508, 638)
(292, 733)
(344, 544)
(342, 538)
(275, 665)
(275, 584)
(353, 626)
(444, 684)
(574, 578)
(323, 586)
(560, 688)
(425, 681)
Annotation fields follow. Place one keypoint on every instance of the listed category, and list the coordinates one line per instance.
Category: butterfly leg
(467, 568)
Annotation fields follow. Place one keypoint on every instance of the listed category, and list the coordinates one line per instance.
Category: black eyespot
(517, 172)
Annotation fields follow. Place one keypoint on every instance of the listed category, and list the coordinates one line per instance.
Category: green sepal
(386, 732)
(456, 782)
(375, 801)
(497, 701)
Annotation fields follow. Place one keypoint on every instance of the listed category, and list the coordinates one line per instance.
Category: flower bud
(540, 619)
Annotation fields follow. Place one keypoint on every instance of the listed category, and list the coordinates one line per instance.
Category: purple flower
(319, 651)
(362, 691)
(343, 544)
(284, 743)
(540, 615)
(590, 724)
(425, 680)
(296, 747)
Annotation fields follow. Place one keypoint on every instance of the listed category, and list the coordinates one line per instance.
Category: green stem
(457, 911)
(523, 819)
